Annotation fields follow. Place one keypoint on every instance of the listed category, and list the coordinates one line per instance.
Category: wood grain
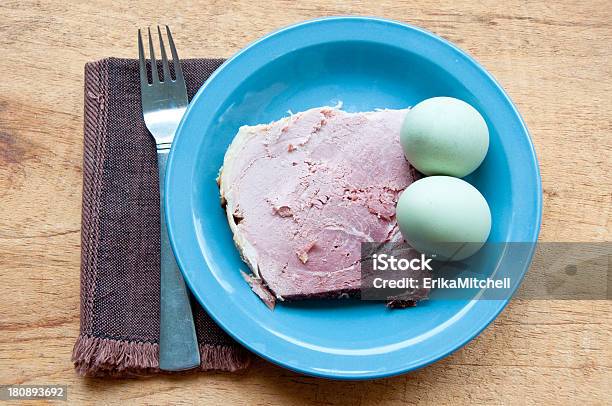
(554, 60)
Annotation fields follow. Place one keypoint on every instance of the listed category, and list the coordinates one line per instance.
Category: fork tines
(155, 79)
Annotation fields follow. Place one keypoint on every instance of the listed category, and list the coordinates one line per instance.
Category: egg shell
(444, 136)
(444, 216)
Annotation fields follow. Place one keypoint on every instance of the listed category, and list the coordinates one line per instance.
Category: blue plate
(366, 63)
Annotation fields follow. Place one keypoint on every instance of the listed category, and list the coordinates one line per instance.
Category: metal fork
(163, 105)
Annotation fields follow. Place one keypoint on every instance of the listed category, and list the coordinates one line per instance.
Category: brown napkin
(120, 232)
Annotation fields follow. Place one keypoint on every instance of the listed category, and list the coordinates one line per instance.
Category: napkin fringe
(223, 358)
(96, 357)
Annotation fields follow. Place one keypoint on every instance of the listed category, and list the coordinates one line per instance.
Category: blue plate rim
(498, 305)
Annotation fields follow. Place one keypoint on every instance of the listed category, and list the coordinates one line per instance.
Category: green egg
(444, 136)
(444, 216)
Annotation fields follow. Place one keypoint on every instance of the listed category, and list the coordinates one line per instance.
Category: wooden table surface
(554, 60)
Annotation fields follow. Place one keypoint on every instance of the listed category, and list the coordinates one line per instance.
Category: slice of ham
(302, 193)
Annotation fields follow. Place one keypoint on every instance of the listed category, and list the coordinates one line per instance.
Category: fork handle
(178, 345)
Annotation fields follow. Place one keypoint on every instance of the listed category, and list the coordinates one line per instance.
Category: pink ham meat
(302, 193)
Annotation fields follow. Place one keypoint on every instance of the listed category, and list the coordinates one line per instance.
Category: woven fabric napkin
(120, 232)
